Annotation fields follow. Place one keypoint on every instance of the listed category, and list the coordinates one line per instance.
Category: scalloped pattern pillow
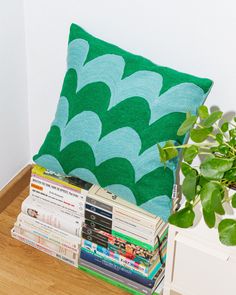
(113, 110)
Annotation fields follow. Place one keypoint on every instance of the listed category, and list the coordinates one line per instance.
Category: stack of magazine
(92, 229)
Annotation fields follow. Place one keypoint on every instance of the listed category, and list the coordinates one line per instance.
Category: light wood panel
(15, 187)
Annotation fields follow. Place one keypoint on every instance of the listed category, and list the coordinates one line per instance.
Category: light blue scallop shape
(85, 126)
(149, 161)
(160, 206)
(84, 174)
(144, 84)
(77, 53)
(185, 97)
(117, 144)
(62, 113)
(122, 191)
(51, 163)
(107, 68)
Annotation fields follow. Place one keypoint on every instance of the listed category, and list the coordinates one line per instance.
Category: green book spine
(137, 242)
(109, 280)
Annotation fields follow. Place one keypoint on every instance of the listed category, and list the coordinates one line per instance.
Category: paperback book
(34, 244)
(55, 217)
(117, 280)
(48, 232)
(140, 267)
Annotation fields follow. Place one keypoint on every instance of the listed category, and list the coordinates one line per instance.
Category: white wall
(14, 135)
(197, 37)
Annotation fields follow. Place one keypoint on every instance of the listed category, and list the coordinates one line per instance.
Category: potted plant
(210, 183)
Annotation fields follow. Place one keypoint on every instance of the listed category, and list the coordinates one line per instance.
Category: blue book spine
(118, 269)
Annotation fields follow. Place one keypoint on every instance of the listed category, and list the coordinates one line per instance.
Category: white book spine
(55, 193)
(46, 243)
(132, 226)
(132, 217)
(53, 216)
(138, 235)
(72, 261)
(48, 232)
(120, 202)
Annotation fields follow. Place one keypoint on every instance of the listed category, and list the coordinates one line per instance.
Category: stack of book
(94, 230)
(52, 215)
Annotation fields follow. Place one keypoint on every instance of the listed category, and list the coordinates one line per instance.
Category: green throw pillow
(115, 107)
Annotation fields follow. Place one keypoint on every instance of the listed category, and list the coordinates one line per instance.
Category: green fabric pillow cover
(114, 108)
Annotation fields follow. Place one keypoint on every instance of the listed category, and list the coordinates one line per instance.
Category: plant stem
(188, 145)
(197, 200)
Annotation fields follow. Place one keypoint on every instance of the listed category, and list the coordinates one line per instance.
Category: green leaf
(189, 186)
(209, 217)
(190, 153)
(187, 125)
(223, 149)
(225, 127)
(227, 232)
(203, 112)
(200, 134)
(216, 202)
(214, 168)
(219, 138)
(231, 174)
(211, 119)
(207, 194)
(162, 153)
(214, 149)
(202, 181)
(232, 142)
(232, 132)
(186, 168)
(171, 151)
(233, 201)
(183, 218)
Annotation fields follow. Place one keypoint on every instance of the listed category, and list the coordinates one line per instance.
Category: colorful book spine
(120, 246)
(138, 254)
(135, 241)
(118, 226)
(55, 217)
(48, 232)
(71, 182)
(117, 237)
(34, 244)
(118, 258)
(119, 269)
(129, 265)
(114, 279)
(123, 225)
